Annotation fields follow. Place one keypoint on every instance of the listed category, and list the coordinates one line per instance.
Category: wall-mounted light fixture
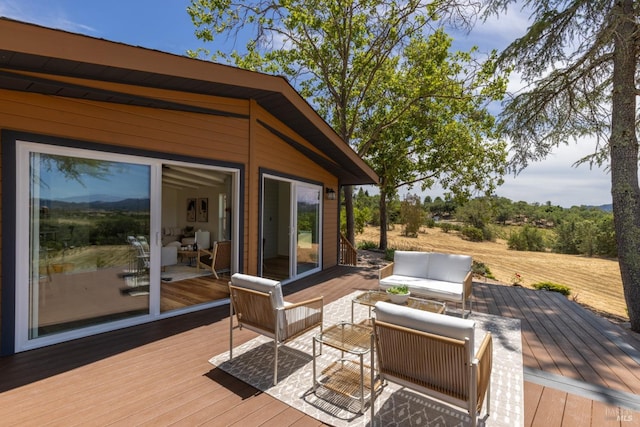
(331, 193)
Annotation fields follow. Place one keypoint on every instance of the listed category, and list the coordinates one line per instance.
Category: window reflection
(89, 251)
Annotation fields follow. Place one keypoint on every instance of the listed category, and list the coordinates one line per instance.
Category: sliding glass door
(86, 240)
(106, 240)
(291, 218)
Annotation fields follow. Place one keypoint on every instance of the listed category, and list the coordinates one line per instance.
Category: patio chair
(259, 306)
(218, 259)
(433, 354)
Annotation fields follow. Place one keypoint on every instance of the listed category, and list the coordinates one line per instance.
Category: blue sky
(165, 25)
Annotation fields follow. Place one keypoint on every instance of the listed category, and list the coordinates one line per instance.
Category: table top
(354, 339)
(370, 298)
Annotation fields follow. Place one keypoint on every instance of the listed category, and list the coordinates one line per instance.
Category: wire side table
(345, 376)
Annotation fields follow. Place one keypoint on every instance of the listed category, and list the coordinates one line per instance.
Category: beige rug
(395, 405)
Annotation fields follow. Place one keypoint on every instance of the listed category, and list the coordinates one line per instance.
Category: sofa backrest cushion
(411, 263)
(449, 267)
(433, 323)
(262, 285)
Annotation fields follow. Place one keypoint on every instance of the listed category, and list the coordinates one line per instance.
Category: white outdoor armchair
(259, 306)
(433, 354)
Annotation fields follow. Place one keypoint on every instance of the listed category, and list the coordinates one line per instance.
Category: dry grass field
(594, 282)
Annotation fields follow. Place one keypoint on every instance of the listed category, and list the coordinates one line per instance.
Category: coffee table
(347, 376)
(191, 256)
(370, 298)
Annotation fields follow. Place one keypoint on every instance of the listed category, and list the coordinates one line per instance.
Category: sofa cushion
(438, 289)
(397, 279)
(433, 323)
(410, 263)
(448, 267)
(260, 284)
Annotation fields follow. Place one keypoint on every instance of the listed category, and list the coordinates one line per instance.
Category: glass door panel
(308, 229)
(276, 228)
(89, 251)
(290, 228)
(196, 213)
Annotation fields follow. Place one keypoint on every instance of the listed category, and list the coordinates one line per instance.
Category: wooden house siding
(171, 132)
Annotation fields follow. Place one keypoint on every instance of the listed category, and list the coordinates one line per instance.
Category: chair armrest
(204, 251)
(302, 316)
(385, 271)
(467, 284)
(484, 363)
(313, 302)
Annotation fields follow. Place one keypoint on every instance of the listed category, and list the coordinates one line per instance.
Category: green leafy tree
(503, 209)
(606, 240)
(477, 213)
(528, 238)
(367, 68)
(412, 215)
(566, 238)
(580, 59)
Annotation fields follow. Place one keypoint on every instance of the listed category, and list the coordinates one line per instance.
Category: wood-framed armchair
(259, 306)
(218, 258)
(434, 355)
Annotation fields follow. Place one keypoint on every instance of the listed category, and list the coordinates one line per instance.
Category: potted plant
(398, 294)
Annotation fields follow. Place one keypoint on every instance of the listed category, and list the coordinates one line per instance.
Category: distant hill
(606, 208)
(92, 198)
(129, 205)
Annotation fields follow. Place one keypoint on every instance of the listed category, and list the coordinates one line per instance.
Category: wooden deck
(578, 368)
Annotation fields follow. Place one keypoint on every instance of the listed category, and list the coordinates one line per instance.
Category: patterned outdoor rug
(395, 405)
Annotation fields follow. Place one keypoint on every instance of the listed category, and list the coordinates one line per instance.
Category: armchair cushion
(260, 284)
(432, 323)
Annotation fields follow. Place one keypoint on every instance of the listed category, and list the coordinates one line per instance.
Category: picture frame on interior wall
(191, 210)
(203, 209)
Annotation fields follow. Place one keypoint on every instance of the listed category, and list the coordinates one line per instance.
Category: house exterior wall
(240, 139)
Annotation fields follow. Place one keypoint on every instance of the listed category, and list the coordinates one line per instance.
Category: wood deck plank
(550, 409)
(577, 411)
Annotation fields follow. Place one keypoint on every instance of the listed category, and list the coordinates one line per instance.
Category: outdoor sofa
(431, 275)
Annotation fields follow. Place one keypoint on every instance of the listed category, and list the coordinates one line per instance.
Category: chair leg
(275, 363)
(230, 330)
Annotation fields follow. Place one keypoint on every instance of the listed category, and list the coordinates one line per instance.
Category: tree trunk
(348, 208)
(383, 220)
(623, 147)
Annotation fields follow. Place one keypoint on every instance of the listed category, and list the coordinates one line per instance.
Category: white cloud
(37, 13)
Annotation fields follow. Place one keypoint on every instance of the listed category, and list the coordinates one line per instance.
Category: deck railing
(348, 254)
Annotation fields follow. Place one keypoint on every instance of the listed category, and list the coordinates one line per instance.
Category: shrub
(553, 287)
(527, 239)
(473, 233)
(429, 222)
(367, 244)
(389, 253)
(481, 269)
(445, 226)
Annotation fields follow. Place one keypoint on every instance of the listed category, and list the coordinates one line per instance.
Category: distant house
(117, 160)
